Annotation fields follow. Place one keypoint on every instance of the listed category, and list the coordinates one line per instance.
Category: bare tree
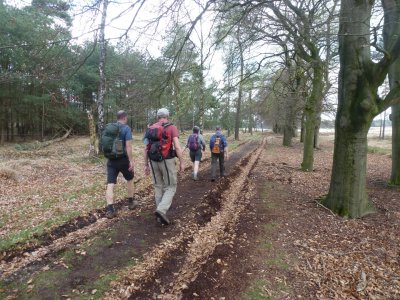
(358, 100)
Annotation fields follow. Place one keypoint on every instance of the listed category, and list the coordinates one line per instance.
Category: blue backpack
(193, 142)
(216, 144)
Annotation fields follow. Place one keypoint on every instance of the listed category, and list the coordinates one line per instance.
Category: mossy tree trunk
(392, 19)
(395, 177)
(358, 104)
(311, 115)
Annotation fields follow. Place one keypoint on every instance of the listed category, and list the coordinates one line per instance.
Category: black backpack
(111, 145)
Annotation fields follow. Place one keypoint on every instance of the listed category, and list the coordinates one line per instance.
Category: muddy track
(167, 270)
(60, 231)
(130, 236)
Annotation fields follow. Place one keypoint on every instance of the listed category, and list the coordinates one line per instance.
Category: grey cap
(121, 114)
(162, 113)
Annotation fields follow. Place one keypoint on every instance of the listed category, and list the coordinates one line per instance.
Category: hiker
(159, 156)
(116, 143)
(196, 144)
(219, 151)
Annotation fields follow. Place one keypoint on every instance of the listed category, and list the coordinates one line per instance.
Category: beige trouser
(164, 180)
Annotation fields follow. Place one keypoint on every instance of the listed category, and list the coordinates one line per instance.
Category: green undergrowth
(379, 150)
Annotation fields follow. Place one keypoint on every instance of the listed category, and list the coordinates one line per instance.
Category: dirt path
(256, 234)
(287, 246)
(85, 261)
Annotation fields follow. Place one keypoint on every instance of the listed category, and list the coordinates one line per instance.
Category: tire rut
(167, 270)
(79, 222)
(192, 210)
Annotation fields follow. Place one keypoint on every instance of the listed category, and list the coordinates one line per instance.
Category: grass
(379, 150)
(279, 261)
(102, 285)
(257, 291)
(40, 282)
(27, 234)
(269, 226)
(267, 245)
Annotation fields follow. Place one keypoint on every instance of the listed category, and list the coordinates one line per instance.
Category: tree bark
(390, 31)
(240, 93)
(395, 176)
(347, 194)
(316, 132)
(287, 135)
(356, 108)
(311, 114)
(251, 117)
(302, 128)
(102, 65)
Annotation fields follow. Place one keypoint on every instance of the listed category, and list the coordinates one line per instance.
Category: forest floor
(258, 233)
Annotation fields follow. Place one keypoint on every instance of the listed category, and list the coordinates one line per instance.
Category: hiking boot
(110, 214)
(133, 204)
(212, 179)
(195, 178)
(164, 219)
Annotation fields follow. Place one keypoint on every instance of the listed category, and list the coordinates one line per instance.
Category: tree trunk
(2, 132)
(356, 109)
(302, 128)
(240, 93)
(177, 101)
(316, 133)
(391, 31)
(202, 106)
(42, 131)
(311, 114)
(287, 136)
(395, 177)
(347, 195)
(102, 66)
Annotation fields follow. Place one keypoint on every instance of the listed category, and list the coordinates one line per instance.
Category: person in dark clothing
(219, 152)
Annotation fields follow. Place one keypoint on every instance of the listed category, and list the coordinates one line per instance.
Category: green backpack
(111, 145)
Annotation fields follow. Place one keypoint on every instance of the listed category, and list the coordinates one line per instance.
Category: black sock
(110, 207)
(130, 200)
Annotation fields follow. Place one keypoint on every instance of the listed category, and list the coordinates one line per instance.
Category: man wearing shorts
(123, 164)
(195, 154)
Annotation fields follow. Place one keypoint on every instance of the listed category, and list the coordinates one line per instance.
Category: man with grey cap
(162, 147)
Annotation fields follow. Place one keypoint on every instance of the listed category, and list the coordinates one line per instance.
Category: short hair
(121, 114)
(162, 113)
(196, 129)
(218, 128)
